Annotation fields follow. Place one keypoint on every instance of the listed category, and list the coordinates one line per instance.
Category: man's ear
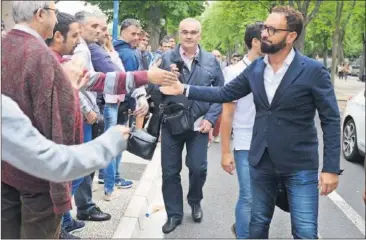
(58, 37)
(292, 36)
(38, 15)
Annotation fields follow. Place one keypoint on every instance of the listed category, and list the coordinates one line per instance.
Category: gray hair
(82, 16)
(129, 22)
(100, 14)
(192, 20)
(23, 11)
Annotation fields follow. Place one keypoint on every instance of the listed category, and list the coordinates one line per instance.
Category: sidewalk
(346, 89)
(131, 204)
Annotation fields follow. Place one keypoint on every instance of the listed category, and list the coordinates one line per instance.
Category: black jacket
(205, 71)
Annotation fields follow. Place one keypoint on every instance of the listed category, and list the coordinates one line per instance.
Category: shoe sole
(123, 187)
(93, 220)
(77, 230)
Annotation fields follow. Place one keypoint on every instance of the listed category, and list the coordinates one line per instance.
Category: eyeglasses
(272, 31)
(185, 32)
(47, 8)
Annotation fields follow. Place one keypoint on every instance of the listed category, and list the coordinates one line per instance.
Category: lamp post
(115, 18)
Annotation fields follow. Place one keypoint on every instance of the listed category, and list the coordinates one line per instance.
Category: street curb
(133, 218)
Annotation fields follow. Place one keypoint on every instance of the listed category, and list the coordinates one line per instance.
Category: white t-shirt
(244, 115)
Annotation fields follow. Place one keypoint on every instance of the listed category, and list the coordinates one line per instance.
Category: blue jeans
(83, 195)
(67, 218)
(111, 172)
(243, 205)
(303, 198)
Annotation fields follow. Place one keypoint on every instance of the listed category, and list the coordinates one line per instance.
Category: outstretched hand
(161, 77)
(175, 89)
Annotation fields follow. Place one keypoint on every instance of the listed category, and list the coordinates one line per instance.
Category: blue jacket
(127, 55)
(286, 126)
(205, 71)
(101, 60)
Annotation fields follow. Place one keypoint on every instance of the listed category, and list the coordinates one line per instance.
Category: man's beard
(272, 48)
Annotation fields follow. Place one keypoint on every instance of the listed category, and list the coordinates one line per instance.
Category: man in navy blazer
(287, 88)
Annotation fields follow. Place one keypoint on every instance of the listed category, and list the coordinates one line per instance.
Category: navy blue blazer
(286, 127)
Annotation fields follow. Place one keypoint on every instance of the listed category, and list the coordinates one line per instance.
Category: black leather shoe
(171, 224)
(233, 230)
(197, 213)
(95, 214)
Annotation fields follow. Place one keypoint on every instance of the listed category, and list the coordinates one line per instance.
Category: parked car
(355, 70)
(353, 133)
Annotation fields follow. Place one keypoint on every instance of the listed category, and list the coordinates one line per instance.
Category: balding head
(189, 34)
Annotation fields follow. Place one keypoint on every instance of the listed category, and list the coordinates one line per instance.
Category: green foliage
(354, 31)
(224, 23)
(322, 27)
(172, 11)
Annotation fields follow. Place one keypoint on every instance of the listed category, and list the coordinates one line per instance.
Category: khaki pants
(28, 215)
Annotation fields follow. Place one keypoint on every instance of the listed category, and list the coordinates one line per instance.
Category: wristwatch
(185, 89)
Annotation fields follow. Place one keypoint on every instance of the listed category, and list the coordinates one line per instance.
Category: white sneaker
(115, 194)
(217, 139)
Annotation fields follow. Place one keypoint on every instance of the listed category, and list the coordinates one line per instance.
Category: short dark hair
(294, 18)
(236, 55)
(129, 22)
(252, 31)
(164, 40)
(63, 26)
(169, 37)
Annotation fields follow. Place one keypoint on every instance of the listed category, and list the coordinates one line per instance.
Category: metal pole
(115, 18)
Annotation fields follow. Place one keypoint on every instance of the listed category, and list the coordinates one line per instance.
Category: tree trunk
(300, 42)
(336, 34)
(325, 52)
(341, 47)
(153, 26)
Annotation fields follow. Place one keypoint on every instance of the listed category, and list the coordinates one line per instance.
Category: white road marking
(352, 215)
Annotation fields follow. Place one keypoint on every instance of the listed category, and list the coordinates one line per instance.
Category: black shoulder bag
(143, 143)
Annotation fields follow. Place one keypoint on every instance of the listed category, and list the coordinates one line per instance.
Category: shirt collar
(82, 41)
(287, 61)
(246, 60)
(29, 30)
(183, 53)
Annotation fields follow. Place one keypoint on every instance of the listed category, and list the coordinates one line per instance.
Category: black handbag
(178, 118)
(282, 199)
(141, 143)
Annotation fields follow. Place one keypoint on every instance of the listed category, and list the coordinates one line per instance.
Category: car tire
(349, 142)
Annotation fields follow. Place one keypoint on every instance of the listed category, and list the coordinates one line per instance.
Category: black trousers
(171, 160)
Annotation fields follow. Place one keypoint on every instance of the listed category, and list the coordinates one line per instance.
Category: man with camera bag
(187, 123)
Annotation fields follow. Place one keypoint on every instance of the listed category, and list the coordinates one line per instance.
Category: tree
(339, 9)
(224, 24)
(150, 14)
(343, 24)
(225, 21)
(309, 10)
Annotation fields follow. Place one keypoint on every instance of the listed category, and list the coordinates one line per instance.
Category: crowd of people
(70, 91)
